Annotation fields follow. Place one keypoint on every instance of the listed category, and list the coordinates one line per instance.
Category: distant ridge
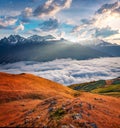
(105, 87)
(47, 48)
(14, 39)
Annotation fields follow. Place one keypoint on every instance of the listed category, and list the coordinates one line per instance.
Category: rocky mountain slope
(30, 101)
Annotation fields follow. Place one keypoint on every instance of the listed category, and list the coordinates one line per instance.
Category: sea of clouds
(68, 71)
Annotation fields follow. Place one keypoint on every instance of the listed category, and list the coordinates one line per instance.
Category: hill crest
(31, 101)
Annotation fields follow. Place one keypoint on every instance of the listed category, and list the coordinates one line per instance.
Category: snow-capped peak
(38, 38)
(35, 38)
(14, 39)
(95, 43)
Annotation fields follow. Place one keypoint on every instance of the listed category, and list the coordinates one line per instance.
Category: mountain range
(46, 48)
(17, 39)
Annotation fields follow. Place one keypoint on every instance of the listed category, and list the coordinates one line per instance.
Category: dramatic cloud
(26, 14)
(19, 27)
(49, 25)
(9, 23)
(68, 71)
(115, 38)
(6, 22)
(104, 24)
(108, 15)
(117, 10)
(87, 21)
(105, 32)
(78, 28)
(77, 23)
(109, 7)
(51, 7)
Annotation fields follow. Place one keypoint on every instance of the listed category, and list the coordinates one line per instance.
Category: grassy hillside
(112, 90)
(105, 87)
(88, 86)
(30, 101)
(25, 86)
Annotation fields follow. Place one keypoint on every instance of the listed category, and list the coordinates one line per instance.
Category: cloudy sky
(75, 20)
(68, 71)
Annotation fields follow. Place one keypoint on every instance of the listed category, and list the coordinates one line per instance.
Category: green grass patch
(114, 94)
(99, 87)
(111, 88)
(77, 93)
(58, 114)
(116, 81)
(88, 86)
